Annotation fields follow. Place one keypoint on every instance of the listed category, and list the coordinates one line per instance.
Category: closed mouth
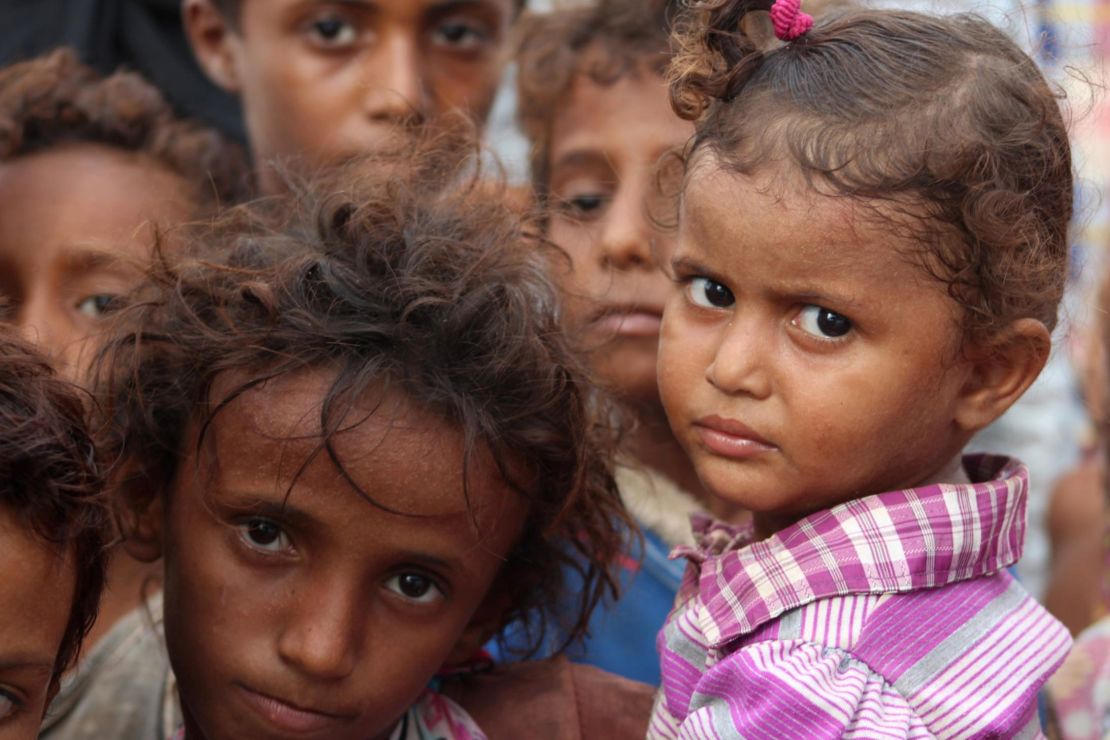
(731, 438)
(628, 320)
(290, 717)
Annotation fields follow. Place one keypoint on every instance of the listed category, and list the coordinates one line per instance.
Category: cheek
(682, 362)
(467, 86)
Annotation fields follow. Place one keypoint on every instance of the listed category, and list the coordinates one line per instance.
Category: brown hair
(50, 477)
(604, 40)
(412, 279)
(943, 121)
(55, 100)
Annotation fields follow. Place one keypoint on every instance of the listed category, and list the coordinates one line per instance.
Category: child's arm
(796, 688)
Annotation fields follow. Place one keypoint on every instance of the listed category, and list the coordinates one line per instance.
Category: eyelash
(17, 705)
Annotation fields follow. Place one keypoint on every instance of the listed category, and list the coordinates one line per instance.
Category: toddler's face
(75, 233)
(804, 361)
(606, 143)
(308, 611)
(36, 597)
(323, 80)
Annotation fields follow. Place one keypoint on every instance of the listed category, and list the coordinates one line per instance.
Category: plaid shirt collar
(890, 542)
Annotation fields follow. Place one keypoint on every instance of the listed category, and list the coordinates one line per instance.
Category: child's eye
(585, 204)
(96, 306)
(8, 705)
(822, 323)
(332, 32)
(264, 535)
(462, 34)
(709, 293)
(415, 587)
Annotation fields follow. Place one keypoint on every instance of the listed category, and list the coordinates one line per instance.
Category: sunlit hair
(50, 478)
(942, 124)
(54, 100)
(605, 41)
(413, 277)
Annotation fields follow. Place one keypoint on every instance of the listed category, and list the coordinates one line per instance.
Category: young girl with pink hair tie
(871, 250)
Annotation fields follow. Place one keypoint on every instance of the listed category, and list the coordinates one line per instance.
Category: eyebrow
(91, 257)
(27, 662)
(258, 506)
(582, 158)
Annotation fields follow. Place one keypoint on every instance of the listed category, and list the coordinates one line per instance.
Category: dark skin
(296, 608)
(322, 80)
(606, 144)
(36, 596)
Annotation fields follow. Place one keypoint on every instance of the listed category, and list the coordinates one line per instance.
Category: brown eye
(710, 294)
(415, 587)
(823, 323)
(264, 535)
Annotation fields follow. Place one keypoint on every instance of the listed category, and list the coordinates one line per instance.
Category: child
(321, 81)
(52, 527)
(360, 445)
(594, 104)
(871, 251)
(88, 167)
(91, 169)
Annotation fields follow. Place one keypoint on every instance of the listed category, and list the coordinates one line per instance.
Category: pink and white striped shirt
(890, 616)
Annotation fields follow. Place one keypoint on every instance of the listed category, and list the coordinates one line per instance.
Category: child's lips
(628, 321)
(731, 438)
(289, 718)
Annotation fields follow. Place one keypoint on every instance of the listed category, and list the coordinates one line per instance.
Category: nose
(323, 635)
(394, 78)
(629, 237)
(740, 365)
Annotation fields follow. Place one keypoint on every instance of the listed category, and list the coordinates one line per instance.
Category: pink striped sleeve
(779, 689)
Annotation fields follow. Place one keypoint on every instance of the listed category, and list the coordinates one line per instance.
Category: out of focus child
(872, 249)
(322, 81)
(360, 444)
(594, 103)
(91, 169)
(53, 525)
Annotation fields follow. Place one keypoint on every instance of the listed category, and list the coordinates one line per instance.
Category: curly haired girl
(871, 250)
(361, 445)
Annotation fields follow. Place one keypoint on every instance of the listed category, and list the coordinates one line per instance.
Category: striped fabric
(890, 616)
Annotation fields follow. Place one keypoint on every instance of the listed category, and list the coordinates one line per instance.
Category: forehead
(85, 193)
(401, 455)
(773, 219)
(632, 114)
(400, 9)
(36, 595)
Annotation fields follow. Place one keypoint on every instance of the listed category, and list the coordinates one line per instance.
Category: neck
(126, 584)
(654, 446)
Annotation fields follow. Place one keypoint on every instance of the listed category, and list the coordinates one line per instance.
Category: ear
(139, 511)
(482, 627)
(1001, 371)
(212, 37)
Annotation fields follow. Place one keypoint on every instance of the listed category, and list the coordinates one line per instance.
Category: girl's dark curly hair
(50, 477)
(604, 40)
(54, 100)
(942, 121)
(414, 278)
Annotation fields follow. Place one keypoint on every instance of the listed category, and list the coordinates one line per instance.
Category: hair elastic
(789, 20)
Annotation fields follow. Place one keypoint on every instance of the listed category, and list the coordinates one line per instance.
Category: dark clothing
(142, 35)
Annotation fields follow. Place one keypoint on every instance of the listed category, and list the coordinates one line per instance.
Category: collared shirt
(886, 616)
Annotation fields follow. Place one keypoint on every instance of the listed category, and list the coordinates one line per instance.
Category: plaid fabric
(891, 615)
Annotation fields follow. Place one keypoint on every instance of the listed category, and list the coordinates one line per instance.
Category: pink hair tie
(789, 20)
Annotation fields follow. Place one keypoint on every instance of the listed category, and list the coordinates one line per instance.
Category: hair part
(55, 100)
(50, 478)
(941, 123)
(417, 276)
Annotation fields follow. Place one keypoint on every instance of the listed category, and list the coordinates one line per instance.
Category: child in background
(321, 81)
(52, 535)
(594, 103)
(872, 248)
(91, 169)
(361, 445)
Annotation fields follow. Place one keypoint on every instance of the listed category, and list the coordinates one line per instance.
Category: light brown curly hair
(54, 100)
(417, 277)
(604, 40)
(941, 121)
